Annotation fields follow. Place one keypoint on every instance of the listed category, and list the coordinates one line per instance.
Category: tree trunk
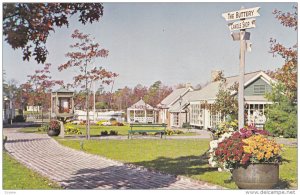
(42, 114)
(87, 117)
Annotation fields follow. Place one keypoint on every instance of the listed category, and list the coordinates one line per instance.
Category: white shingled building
(140, 112)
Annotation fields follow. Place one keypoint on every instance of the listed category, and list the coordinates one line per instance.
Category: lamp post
(180, 102)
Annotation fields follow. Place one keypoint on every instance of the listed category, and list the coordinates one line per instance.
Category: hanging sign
(242, 24)
(241, 14)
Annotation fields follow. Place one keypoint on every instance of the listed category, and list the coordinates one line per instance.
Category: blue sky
(171, 42)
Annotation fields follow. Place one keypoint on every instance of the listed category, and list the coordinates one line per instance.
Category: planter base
(256, 176)
(52, 132)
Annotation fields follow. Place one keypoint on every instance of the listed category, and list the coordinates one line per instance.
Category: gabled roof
(177, 107)
(140, 105)
(210, 91)
(173, 97)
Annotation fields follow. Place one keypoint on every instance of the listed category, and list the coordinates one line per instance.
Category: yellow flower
(247, 149)
(260, 155)
(268, 155)
(281, 145)
(261, 147)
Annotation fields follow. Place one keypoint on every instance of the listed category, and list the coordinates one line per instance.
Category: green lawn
(31, 130)
(179, 157)
(96, 129)
(288, 169)
(17, 177)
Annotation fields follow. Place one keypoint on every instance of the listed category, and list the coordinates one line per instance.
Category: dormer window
(259, 89)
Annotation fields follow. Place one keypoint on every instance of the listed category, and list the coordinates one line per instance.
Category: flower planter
(256, 176)
(53, 132)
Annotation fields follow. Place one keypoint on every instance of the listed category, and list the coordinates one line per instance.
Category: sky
(171, 42)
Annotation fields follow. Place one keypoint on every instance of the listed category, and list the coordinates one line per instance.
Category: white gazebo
(140, 112)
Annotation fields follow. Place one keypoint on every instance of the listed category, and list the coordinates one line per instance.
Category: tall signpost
(244, 23)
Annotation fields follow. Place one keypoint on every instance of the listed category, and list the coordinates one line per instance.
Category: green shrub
(19, 118)
(186, 125)
(282, 114)
(226, 127)
(113, 123)
(143, 133)
(174, 132)
(100, 122)
(72, 130)
(169, 132)
(44, 127)
(116, 123)
(178, 132)
(281, 121)
(113, 132)
(112, 119)
(103, 133)
(82, 122)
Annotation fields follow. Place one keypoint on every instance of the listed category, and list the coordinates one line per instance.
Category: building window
(131, 113)
(215, 119)
(139, 113)
(150, 113)
(259, 89)
(176, 119)
(256, 114)
(197, 111)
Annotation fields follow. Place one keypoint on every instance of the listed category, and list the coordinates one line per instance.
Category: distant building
(172, 117)
(194, 106)
(33, 108)
(140, 112)
(255, 86)
(118, 115)
(8, 110)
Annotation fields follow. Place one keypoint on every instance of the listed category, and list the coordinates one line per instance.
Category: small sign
(236, 36)
(241, 14)
(243, 24)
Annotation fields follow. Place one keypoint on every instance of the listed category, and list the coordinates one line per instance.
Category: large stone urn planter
(256, 176)
(53, 132)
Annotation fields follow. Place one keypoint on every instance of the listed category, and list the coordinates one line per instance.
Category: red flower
(236, 158)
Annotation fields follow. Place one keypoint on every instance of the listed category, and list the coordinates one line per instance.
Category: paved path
(78, 170)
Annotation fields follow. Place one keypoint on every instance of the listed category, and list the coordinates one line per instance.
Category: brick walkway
(78, 170)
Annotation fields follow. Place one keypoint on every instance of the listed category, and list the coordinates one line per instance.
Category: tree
(28, 25)
(79, 100)
(101, 105)
(226, 103)
(156, 93)
(139, 92)
(282, 115)
(219, 76)
(153, 94)
(85, 51)
(42, 83)
(287, 74)
(180, 85)
(25, 96)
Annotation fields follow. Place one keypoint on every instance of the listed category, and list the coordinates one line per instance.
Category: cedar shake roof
(210, 91)
(173, 97)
